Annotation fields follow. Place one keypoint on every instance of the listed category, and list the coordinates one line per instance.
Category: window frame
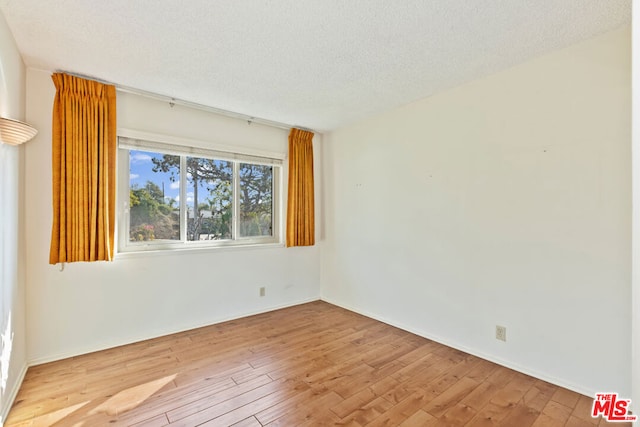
(134, 140)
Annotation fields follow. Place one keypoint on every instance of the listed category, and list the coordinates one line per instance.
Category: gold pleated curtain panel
(300, 202)
(84, 170)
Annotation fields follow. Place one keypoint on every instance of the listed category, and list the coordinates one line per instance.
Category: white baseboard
(4, 411)
(111, 344)
(539, 375)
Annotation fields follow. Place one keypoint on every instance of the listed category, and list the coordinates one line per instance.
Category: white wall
(91, 306)
(13, 355)
(636, 209)
(504, 201)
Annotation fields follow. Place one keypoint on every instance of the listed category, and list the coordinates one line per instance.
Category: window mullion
(236, 200)
(183, 199)
(275, 201)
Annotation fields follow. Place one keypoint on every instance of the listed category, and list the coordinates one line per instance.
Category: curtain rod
(176, 101)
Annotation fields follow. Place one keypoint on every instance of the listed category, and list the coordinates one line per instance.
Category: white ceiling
(319, 64)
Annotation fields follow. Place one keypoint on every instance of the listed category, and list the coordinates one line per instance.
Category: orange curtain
(84, 170)
(300, 203)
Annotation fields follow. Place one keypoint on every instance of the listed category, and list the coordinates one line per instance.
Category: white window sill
(143, 253)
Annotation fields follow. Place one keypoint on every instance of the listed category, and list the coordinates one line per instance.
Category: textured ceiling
(313, 63)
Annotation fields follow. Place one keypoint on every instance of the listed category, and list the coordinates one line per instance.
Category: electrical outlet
(263, 291)
(501, 333)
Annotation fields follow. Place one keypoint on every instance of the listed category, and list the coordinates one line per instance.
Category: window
(181, 197)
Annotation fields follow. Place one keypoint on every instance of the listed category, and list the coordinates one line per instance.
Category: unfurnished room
(318, 213)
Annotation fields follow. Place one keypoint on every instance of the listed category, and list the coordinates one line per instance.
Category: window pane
(256, 200)
(209, 199)
(154, 188)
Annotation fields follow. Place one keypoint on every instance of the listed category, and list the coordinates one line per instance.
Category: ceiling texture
(319, 64)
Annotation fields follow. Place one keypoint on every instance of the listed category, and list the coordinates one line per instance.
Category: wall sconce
(15, 132)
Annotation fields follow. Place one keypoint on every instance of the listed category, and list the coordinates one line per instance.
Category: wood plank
(566, 397)
(458, 415)
(260, 404)
(480, 396)
(177, 398)
(402, 411)
(369, 412)
(248, 422)
(522, 416)
(157, 421)
(544, 420)
(420, 418)
(538, 396)
(513, 391)
(579, 422)
(209, 407)
(557, 411)
(450, 397)
(354, 403)
(583, 409)
(490, 415)
(314, 412)
(278, 410)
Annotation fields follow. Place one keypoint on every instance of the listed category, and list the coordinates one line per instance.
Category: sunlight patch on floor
(130, 398)
(53, 417)
(5, 356)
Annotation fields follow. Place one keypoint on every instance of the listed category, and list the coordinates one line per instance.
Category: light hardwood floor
(310, 365)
